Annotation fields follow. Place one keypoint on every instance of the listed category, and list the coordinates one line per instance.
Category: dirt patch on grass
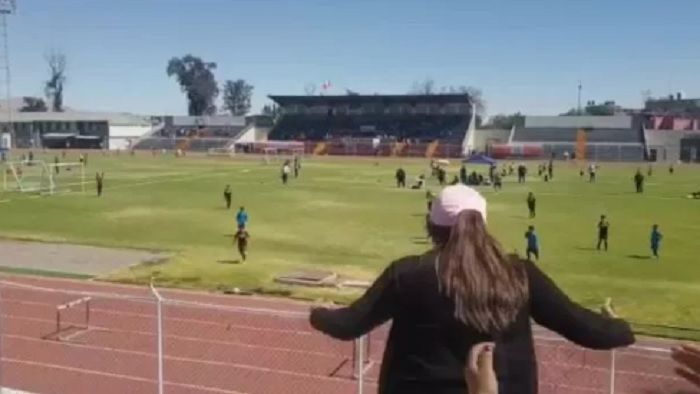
(71, 258)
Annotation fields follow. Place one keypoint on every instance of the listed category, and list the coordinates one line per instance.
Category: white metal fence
(75, 338)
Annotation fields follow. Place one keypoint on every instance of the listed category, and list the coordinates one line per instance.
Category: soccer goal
(36, 176)
(270, 155)
(221, 152)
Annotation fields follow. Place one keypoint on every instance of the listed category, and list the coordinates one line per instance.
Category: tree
(53, 88)
(237, 96)
(196, 79)
(475, 95)
(502, 121)
(271, 110)
(426, 86)
(310, 88)
(477, 98)
(33, 104)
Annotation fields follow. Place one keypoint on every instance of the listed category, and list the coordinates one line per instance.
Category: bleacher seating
(419, 127)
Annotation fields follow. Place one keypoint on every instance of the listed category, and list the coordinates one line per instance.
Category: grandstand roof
(382, 98)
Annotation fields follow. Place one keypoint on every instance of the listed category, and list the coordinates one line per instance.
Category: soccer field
(345, 215)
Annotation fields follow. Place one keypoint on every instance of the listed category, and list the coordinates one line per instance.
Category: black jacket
(427, 347)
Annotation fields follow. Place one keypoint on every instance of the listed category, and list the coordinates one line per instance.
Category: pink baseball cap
(453, 200)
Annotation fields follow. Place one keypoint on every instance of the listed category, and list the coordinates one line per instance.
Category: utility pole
(578, 109)
(7, 7)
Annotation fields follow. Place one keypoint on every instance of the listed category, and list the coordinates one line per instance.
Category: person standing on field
(463, 175)
(656, 238)
(99, 179)
(285, 172)
(531, 201)
(227, 196)
(242, 218)
(241, 238)
(533, 246)
(591, 172)
(497, 183)
(400, 178)
(603, 226)
(297, 166)
(639, 181)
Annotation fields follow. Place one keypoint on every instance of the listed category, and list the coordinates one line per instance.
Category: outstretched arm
(551, 308)
(369, 311)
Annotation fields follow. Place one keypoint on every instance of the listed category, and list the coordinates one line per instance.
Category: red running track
(231, 345)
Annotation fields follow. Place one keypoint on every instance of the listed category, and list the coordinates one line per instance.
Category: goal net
(36, 176)
(221, 152)
(270, 155)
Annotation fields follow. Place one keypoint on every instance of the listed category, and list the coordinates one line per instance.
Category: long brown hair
(488, 287)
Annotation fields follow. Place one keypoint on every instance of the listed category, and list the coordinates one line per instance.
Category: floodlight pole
(578, 109)
(7, 7)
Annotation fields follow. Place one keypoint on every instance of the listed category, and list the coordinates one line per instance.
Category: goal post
(35, 176)
(270, 155)
(67, 177)
(221, 152)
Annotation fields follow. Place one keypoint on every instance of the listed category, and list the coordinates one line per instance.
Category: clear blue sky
(526, 55)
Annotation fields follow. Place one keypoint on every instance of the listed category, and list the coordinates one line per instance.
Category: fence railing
(76, 338)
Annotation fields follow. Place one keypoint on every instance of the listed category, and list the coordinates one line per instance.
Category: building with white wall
(117, 130)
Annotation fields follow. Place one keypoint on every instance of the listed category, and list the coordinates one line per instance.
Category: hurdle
(359, 360)
(361, 356)
(61, 309)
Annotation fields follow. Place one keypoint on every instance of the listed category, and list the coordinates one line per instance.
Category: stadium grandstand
(389, 125)
(636, 137)
(204, 133)
(603, 138)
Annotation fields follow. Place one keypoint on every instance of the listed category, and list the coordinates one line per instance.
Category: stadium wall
(254, 133)
(666, 143)
(485, 137)
(581, 122)
(122, 136)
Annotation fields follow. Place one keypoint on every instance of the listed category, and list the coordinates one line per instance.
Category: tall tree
(426, 86)
(310, 88)
(502, 121)
(53, 87)
(33, 104)
(271, 110)
(196, 79)
(475, 94)
(237, 96)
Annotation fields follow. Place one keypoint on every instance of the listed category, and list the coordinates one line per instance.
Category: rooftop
(374, 98)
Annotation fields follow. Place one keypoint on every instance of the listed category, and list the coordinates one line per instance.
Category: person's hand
(688, 356)
(480, 375)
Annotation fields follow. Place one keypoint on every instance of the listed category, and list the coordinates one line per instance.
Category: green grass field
(345, 215)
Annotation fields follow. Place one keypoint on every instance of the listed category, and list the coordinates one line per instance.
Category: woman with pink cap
(462, 293)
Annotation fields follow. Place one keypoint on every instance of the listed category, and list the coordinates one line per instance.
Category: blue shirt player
(656, 237)
(242, 218)
(533, 247)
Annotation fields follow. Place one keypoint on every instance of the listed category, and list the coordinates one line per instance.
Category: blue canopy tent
(479, 159)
